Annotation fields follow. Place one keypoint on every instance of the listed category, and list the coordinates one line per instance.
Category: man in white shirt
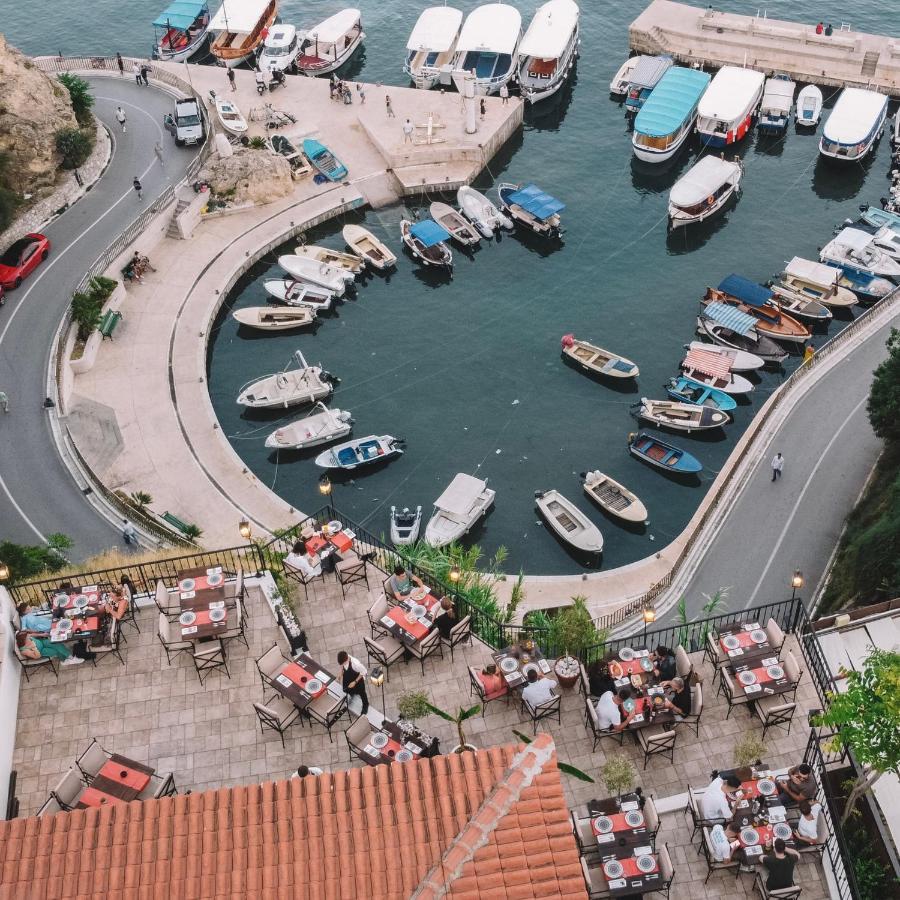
(538, 690)
(714, 802)
(308, 564)
(609, 710)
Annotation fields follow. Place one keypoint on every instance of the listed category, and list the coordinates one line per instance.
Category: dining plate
(508, 664)
(215, 580)
(418, 593)
(379, 740)
(313, 686)
(775, 672)
(759, 636)
(613, 868)
(730, 642)
(80, 602)
(634, 819)
(216, 615)
(187, 617)
(766, 787)
(626, 654)
(782, 830)
(187, 584)
(403, 756)
(750, 836)
(645, 863)
(747, 677)
(334, 526)
(603, 825)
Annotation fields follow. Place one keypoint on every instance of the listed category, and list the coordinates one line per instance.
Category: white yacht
(549, 49)
(464, 502)
(430, 48)
(488, 45)
(854, 124)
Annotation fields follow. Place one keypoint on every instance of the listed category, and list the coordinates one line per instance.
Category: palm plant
(458, 719)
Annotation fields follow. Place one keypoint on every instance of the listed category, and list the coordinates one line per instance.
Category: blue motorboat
(866, 287)
(362, 451)
(689, 391)
(324, 160)
(663, 456)
(646, 75)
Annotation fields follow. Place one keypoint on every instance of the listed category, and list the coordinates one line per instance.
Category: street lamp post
(649, 615)
(796, 583)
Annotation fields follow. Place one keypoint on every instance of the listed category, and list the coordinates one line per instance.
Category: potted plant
(413, 705)
(463, 746)
(618, 775)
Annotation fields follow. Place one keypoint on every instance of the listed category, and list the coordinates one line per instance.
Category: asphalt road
(37, 494)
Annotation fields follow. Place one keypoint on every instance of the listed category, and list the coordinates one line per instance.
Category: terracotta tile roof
(492, 824)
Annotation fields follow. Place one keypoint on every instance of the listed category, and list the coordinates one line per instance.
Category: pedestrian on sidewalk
(120, 118)
(777, 466)
(145, 72)
(136, 70)
(158, 150)
(408, 130)
(4, 401)
(120, 63)
(504, 93)
(388, 107)
(230, 74)
(138, 188)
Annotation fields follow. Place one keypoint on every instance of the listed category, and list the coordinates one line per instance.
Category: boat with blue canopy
(756, 300)
(181, 30)
(324, 160)
(662, 455)
(427, 242)
(667, 117)
(729, 327)
(531, 208)
(687, 390)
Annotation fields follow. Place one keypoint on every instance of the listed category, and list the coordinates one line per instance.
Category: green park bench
(109, 322)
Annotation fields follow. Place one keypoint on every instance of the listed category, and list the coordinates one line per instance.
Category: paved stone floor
(208, 735)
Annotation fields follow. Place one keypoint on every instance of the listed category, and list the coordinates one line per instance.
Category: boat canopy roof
(550, 30)
(729, 317)
(701, 181)
(334, 28)
(854, 238)
(813, 272)
(713, 364)
(745, 290)
(238, 15)
(649, 70)
(180, 14)
(494, 27)
(730, 93)
(671, 102)
(429, 233)
(855, 114)
(436, 29)
(540, 204)
(460, 495)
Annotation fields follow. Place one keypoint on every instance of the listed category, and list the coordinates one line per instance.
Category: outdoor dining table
(614, 823)
(517, 658)
(396, 621)
(388, 743)
(762, 678)
(303, 680)
(118, 781)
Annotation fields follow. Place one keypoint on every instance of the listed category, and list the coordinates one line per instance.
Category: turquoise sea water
(469, 371)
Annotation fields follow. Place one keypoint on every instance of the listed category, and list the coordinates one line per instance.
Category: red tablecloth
(300, 677)
(122, 774)
(415, 628)
(93, 797)
(619, 823)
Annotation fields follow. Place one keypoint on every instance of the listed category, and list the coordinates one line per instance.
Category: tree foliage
(80, 96)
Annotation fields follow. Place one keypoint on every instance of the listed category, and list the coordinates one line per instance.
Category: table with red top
(292, 679)
(119, 781)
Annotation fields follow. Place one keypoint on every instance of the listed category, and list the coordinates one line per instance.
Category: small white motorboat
(854, 250)
(703, 190)
(298, 293)
(597, 360)
(328, 45)
(456, 511)
(488, 45)
(405, 524)
(454, 223)
(618, 87)
(336, 258)
(614, 498)
(290, 387)
(431, 44)
(814, 281)
(569, 523)
(321, 426)
(427, 242)
(311, 270)
(809, 106)
(738, 360)
(283, 318)
(678, 416)
(229, 115)
(549, 49)
(481, 212)
(364, 451)
(366, 245)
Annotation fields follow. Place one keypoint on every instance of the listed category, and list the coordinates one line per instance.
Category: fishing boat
(729, 327)
(328, 45)
(711, 370)
(872, 215)
(480, 211)
(679, 416)
(756, 300)
(426, 241)
(645, 77)
(289, 387)
(866, 287)
(362, 242)
(455, 224)
(335, 258)
(405, 523)
(776, 105)
(364, 451)
(549, 50)
(854, 125)
(667, 117)
(181, 30)
(619, 84)
(531, 208)
(321, 426)
(291, 292)
(265, 318)
(431, 45)
(323, 160)
(614, 498)
(809, 106)
(240, 27)
(279, 50)
(597, 360)
(726, 110)
(703, 190)
(229, 115)
(738, 360)
(686, 390)
(662, 455)
(854, 250)
(814, 281)
(456, 511)
(568, 522)
(488, 45)
(316, 273)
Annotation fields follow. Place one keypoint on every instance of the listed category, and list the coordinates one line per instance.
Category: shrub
(79, 96)
(74, 146)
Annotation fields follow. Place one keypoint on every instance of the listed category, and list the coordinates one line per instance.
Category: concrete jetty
(713, 38)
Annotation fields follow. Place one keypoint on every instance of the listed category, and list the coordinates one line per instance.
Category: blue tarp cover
(745, 290)
(180, 14)
(737, 321)
(429, 232)
(532, 199)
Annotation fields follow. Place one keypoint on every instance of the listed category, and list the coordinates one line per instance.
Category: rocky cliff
(33, 106)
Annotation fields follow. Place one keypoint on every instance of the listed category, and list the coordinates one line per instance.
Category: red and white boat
(725, 112)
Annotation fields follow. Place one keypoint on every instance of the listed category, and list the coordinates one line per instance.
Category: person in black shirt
(780, 865)
(678, 696)
(665, 663)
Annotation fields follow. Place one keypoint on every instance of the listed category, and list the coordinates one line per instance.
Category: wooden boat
(242, 26)
(677, 416)
(454, 223)
(229, 115)
(756, 300)
(619, 84)
(813, 281)
(763, 347)
(456, 511)
(686, 390)
(549, 49)
(181, 30)
(531, 208)
(738, 360)
(432, 44)
(710, 369)
(480, 211)
(328, 45)
(569, 523)
(405, 523)
(809, 106)
(298, 293)
(317, 273)
(290, 387)
(703, 190)
(373, 251)
(265, 318)
(335, 258)
(362, 451)
(594, 359)
(661, 455)
(321, 426)
(323, 160)
(614, 498)
(426, 241)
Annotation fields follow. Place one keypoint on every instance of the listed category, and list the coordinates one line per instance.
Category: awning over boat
(436, 29)
(672, 101)
(729, 317)
(429, 232)
(813, 272)
(238, 16)
(550, 30)
(540, 204)
(702, 181)
(713, 364)
(649, 70)
(181, 14)
(460, 495)
(335, 27)
(745, 290)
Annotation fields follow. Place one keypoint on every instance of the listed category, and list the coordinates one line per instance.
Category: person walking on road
(4, 401)
(388, 107)
(230, 73)
(120, 63)
(158, 150)
(777, 466)
(136, 69)
(120, 118)
(138, 188)
(408, 130)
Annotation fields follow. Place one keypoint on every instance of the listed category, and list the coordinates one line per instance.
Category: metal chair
(170, 645)
(593, 723)
(459, 634)
(326, 709)
(656, 741)
(91, 761)
(428, 646)
(544, 710)
(270, 664)
(773, 712)
(68, 790)
(209, 656)
(278, 714)
(476, 688)
(386, 651)
(351, 571)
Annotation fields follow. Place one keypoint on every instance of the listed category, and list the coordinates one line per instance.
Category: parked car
(22, 258)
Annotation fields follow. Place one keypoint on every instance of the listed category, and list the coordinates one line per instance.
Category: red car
(22, 258)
